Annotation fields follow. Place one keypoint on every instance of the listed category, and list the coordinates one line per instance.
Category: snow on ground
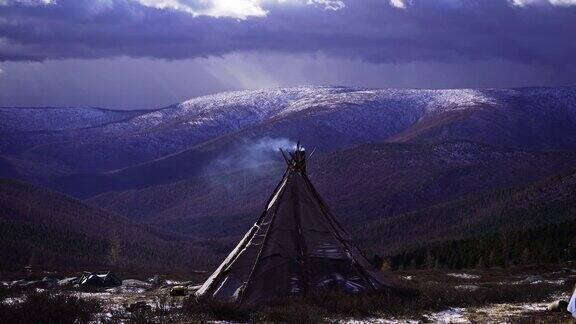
(451, 315)
(467, 287)
(502, 312)
(94, 295)
(535, 280)
(13, 300)
(496, 313)
(552, 282)
(463, 275)
(379, 321)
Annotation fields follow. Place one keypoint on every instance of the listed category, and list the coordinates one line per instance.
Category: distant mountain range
(203, 168)
(329, 118)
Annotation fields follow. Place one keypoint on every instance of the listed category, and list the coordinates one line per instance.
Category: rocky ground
(529, 290)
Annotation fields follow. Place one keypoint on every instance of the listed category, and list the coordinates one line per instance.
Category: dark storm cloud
(369, 30)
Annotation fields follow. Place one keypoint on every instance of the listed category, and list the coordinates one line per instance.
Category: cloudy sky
(150, 53)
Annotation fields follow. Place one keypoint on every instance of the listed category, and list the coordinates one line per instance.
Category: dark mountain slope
(45, 228)
(13, 120)
(549, 201)
(549, 243)
(521, 123)
(364, 183)
(238, 192)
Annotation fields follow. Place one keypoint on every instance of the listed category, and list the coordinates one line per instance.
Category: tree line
(551, 243)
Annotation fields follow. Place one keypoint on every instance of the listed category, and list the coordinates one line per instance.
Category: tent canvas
(572, 303)
(296, 246)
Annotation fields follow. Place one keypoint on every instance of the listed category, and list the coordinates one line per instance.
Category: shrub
(50, 308)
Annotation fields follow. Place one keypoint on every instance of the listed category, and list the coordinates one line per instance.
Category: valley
(275, 161)
(399, 168)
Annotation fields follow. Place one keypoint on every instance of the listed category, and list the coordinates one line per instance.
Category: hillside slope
(545, 202)
(43, 228)
(549, 243)
(364, 183)
(14, 120)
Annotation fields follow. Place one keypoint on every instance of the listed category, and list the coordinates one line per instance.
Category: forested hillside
(551, 243)
(364, 183)
(40, 227)
(525, 224)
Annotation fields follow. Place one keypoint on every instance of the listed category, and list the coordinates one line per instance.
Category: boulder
(179, 291)
(157, 280)
(558, 306)
(132, 286)
(47, 283)
(136, 283)
(532, 279)
(68, 281)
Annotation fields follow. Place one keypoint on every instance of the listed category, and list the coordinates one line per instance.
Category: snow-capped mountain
(238, 109)
(231, 110)
(330, 118)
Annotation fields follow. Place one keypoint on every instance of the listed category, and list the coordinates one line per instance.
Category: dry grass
(50, 308)
(426, 292)
(406, 301)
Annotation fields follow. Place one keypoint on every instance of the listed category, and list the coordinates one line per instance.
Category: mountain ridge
(187, 123)
(352, 117)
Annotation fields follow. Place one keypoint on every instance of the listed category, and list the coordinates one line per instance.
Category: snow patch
(463, 275)
(378, 321)
(451, 315)
(467, 287)
(13, 300)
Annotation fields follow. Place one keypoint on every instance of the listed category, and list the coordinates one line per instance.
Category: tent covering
(106, 279)
(572, 303)
(296, 246)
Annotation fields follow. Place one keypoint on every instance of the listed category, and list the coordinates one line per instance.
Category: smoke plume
(251, 155)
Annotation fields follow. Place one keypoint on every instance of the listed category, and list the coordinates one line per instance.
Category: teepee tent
(296, 246)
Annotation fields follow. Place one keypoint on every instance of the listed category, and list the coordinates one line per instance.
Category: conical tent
(296, 246)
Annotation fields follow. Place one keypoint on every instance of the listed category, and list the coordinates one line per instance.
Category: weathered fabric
(296, 246)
